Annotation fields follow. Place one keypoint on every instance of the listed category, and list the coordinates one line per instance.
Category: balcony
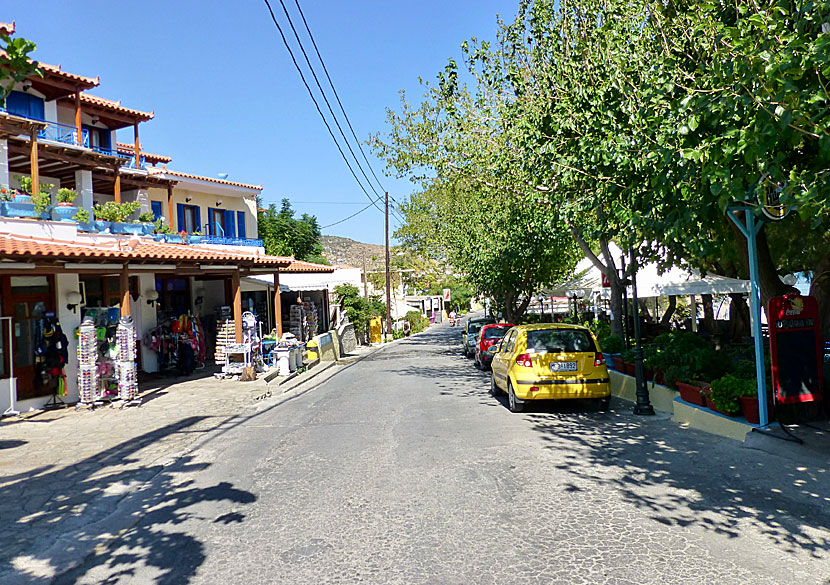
(64, 134)
(222, 240)
(111, 152)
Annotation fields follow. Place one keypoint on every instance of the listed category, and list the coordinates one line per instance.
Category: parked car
(471, 329)
(488, 336)
(549, 361)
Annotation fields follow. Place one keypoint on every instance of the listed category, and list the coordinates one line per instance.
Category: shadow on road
(63, 514)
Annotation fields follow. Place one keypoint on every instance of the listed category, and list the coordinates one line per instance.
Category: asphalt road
(402, 469)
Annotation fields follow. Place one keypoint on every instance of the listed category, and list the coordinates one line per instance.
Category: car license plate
(563, 367)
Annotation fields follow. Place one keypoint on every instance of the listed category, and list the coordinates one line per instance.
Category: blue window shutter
(240, 224)
(155, 207)
(230, 228)
(26, 105)
(105, 138)
(211, 227)
(197, 213)
(179, 217)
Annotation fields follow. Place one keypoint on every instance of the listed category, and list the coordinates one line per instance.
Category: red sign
(605, 282)
(795, 348)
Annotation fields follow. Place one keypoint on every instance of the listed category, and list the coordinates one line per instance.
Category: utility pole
(365, 289)
(388, 278)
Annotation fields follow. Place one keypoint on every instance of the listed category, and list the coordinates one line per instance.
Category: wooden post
(79, 127)
(34, 164)
(236, 283)
(117, 187)
(124, 289)
(277, 305)
(170, 206)
(137, 147)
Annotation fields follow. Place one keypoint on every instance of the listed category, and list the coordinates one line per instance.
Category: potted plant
(25, 193)
(6, 194)
(680, 376)
(65, 208)
(628, 358)
(160, 231)
(82, 217)
(172, 238)
(104, 216)
(148, 222)
(612, 346)
(117, 214)
(26, 204)
(196, 237)
(724, 395)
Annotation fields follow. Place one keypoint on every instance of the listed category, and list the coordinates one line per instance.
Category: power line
(337, 97)
(348, 218)
(317, 105)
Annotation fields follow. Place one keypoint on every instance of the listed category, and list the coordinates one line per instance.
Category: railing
(231, 241)
(110, 152)
(63, 133)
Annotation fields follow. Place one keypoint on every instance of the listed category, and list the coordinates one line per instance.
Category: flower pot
(690, 393)
(619, 364)
(158, 237)
(102, 226)
(86, 226)
(65, 211)
(195, 239)
(173, 238)
(749, 406)
(148, 228)
(23, 198)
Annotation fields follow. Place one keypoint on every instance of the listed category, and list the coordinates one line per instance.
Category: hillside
(346, 251)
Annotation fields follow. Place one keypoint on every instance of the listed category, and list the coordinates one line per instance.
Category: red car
(489, 335)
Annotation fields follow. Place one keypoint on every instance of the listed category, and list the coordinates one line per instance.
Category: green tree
(284, 235)
(359, 309)
(15, 64)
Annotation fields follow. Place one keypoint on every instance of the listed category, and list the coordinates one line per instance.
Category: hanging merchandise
(52, 353)
(125, 367)
(87, 362)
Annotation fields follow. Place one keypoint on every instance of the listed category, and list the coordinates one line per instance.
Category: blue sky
(227, 98)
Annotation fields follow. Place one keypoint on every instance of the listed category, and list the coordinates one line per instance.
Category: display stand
(87, 364)
(125, 367)
(11, 410)
(54, 401)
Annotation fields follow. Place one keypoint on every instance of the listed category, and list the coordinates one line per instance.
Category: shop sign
(605, 282)
(447, 295)
(795, 348)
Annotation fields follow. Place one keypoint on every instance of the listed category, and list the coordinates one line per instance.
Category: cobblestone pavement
(402, 469)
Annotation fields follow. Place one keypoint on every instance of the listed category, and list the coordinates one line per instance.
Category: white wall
(144, 316)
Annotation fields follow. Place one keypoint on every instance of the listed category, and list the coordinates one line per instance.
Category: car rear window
(560, 340)
(495, 332)
(476, 327)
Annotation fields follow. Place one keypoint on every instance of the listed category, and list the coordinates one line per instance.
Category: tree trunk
(645, 314)
(820, 289)
(666, 319)
(708, 313)
(738, 316)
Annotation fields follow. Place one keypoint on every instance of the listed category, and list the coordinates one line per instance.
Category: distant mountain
(346, 251)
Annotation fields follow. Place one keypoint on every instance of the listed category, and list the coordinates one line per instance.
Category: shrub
(601, 331)
(612, 344)
(82, 216)
(727, 390)
(417, 321)
(66, 195)
(115, 212)
(147, 217)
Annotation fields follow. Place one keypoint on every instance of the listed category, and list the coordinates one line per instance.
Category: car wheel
(476, 362)
(494, 390)
(514, 403)
(603, 404)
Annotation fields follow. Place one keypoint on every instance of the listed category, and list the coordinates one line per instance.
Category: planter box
(102, 226)
(690, 393)
(127, 228)
(18, 208)
(173, 238)
(22, 198)
(630, 369)
(749, 406)
(195, 239)
(158, 237)
(86, 227)
(619, 364)
(711, 406)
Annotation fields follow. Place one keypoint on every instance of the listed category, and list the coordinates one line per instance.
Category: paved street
(402, 469)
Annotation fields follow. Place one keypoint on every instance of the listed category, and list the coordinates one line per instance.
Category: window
(189, 218)
(222, 222)
(25, 105)
(99, 137)
(509, 342)
(240, 224)
(559, 341)
(495, 332)
(155, 207)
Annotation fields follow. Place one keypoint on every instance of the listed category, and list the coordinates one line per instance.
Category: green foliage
(6, 194)
(727, 390)
(613, 344)
(417, 321)
(161, 227)
(359, 309)
(600, 329)
(284, 235)
(66, 195)
(15, 64)
(115, 212)
(26, 185)
(82, 216)
(684, 357)
(461, 292)
(147, 217)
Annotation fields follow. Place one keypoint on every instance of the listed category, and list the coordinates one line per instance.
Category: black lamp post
(643, 405)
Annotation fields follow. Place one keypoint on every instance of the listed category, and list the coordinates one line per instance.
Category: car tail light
(599, 360)
(534, 388)
(524, 360)
(485, 343)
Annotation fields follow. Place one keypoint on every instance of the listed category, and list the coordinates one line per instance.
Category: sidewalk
(63, 471)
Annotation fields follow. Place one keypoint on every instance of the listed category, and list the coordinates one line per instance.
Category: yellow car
(549, 361)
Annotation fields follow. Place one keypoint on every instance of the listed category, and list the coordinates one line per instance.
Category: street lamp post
(643, 405)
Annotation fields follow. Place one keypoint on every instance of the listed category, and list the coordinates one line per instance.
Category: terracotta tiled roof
(125, 148)
(94, 100)
(25, 247)
(55, 70)
(298, 266)
(7, 28)
(209, 179)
